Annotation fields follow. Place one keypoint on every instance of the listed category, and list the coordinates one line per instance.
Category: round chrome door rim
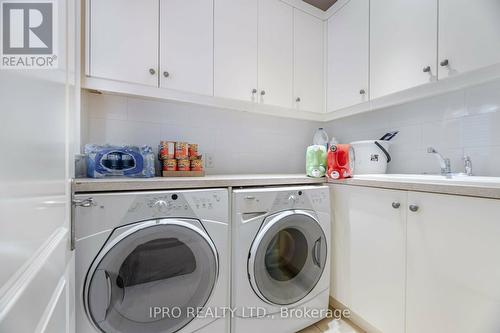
(186, 223)
(274, 220)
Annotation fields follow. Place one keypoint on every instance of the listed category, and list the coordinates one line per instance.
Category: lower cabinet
(453, 265)
(430, 264)
(368, 234)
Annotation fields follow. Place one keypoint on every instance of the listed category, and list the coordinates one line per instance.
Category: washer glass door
(167, 264)
(287, 257)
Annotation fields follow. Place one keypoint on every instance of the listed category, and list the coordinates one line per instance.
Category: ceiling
(321, 4)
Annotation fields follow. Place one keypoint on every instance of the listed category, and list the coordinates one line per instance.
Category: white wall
(456, 123)
(37, 267)
(239, 142)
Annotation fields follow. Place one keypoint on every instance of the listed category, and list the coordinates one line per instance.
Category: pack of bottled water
(114, 160)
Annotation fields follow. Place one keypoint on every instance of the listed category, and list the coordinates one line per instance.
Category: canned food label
(170, 165)
(196, 165)
(167, 150)
(193, 150)
(181, 150)
(183, 165)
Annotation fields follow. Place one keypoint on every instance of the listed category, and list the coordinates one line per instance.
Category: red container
(196, 165)
(183, 165)
(339, 161)
(170, 165)
(193, 151)
(181, 150)
(167, 150)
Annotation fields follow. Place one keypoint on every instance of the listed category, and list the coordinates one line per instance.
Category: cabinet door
(124, 40)
(468, 35)
(348, 55)
(453, 264)
(186, 31)
(275, 53)
(235, 49)
(403, 41)
(308, 62)
(368, 268)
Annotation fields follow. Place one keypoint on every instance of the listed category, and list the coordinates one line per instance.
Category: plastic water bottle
(320, 138)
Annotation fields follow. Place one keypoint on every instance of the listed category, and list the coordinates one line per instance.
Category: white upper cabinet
(235, 49)
(453, 264)
(308, 72)
(263, 51)
(368, 267)
(275, 53)
(468, 35)
(348, 55)
(403, 41)
(123, 40)
(186, 41)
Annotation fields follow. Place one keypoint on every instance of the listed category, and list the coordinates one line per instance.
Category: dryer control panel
(201, 204)
(168, 204)
(109, 210)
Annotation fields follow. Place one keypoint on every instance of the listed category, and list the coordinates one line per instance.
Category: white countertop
(81, 185)
(484, 187)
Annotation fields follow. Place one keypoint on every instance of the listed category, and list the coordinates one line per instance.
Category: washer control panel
(277, 199)
(290, 199)
(319, 197)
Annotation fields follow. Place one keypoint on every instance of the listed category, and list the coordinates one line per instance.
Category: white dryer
(152, 262)
(281, 265)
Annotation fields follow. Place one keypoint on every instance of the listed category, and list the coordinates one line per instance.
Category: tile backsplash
(238, 142)
(464, 122)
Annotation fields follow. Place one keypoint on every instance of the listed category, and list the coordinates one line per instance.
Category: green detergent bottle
(316, 161)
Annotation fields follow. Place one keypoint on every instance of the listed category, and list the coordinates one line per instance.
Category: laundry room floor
(330, 325)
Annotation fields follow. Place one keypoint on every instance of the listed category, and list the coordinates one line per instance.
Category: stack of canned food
(180, 156)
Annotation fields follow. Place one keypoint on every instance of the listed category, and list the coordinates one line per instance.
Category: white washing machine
(152, 262)
(281, 265)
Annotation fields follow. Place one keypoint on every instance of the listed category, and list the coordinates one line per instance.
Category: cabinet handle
(362, 92)
(396, 205)
(152, 71)
(254, 91)
(444, 63)
(297, 99)
(263, 92)
(427, 69)
(413, 208)
(166, 74)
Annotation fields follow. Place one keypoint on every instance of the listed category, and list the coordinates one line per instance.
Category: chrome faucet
(468, 165)
(444, 163)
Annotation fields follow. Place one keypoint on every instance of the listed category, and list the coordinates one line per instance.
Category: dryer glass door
(150, 276)
(287, 257)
